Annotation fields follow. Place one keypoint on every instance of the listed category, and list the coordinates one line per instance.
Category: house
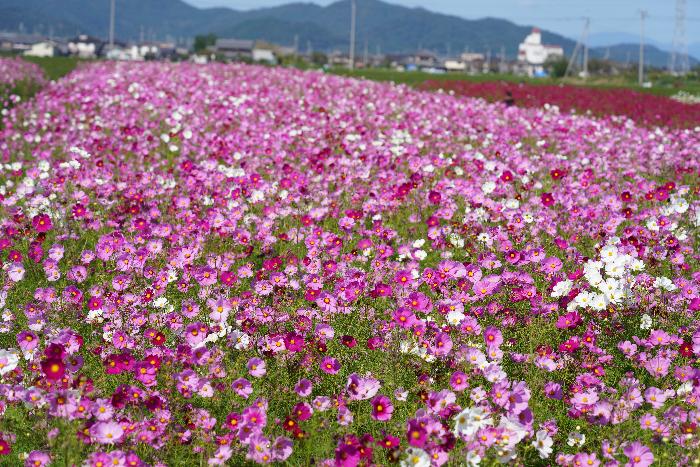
(47, 48)
(285, 51)
(85, 46)
(233, 49)
(18, 42)
(339, 59)
(423, 59)
(455, 65)
(264, 55)
(534, 54)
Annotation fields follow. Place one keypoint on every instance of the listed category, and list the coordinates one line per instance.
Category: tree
(557, 68)
(319, 58)
(202, 42)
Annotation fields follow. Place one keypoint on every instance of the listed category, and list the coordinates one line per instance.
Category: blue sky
(562, 16)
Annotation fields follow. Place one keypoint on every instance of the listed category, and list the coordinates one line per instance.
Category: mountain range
(382, 26)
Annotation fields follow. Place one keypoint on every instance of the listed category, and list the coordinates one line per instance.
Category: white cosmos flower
(488, 187)
(608, 253)
(416, 457)
(473, 459)
(680, 205)
(637, 265)
(471, 420)
(543, 443)
(512, 204)
(615, 268)
(240, 340)
(420, 255)
(561, 288)
(455, 317)
(665, 283)
(576, 439)
(8, 360)
(598, 302)
(646, 322)
(583, 299)
(608, 285)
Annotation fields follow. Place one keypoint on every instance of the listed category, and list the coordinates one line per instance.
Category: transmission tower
(582, 42)
(679, 57)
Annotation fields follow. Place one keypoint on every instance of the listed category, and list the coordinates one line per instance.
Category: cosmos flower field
(18, 77)
(643, 108)
(234, 265)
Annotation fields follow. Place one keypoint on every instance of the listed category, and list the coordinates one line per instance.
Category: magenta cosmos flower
(41, 223)
(382, 408)
(330, 365)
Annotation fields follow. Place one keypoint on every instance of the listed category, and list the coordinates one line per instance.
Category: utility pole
(642, 15)
(111, 24)
(585, 49)
(365, 59)
(353, 20)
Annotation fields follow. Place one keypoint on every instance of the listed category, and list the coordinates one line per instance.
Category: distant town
(534, 58)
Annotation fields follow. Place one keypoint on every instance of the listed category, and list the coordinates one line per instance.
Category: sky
(561, 16)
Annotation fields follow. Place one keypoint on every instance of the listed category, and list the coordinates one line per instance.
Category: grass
(54, 67)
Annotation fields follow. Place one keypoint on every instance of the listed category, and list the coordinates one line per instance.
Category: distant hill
(384, 26)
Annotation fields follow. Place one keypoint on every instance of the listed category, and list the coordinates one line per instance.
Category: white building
(534, 54)
(42, 49)
(264, 55)
(455, 65)
(85, 46)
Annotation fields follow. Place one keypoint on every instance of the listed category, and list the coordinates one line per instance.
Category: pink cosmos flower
(493, 337)
(256, 367)
(638, 455)
(15, 272)
(459, 381)
(658, 366)
(403, 278)
(242, 387)
(107, 432)
(37, 459)
(303, 387)
(27, 341)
